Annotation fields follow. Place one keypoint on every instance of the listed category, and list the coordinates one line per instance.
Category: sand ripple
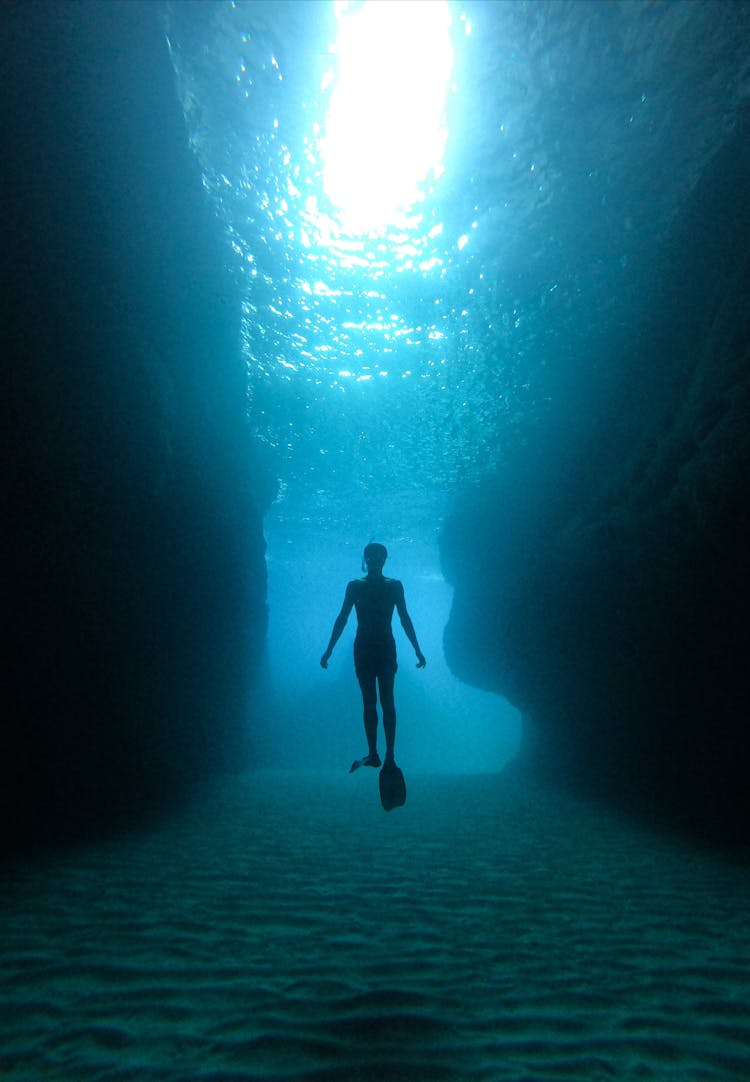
(285, 928)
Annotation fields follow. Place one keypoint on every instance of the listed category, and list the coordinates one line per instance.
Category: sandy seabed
(285, 927)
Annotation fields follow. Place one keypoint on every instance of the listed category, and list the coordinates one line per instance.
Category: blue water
(576, 132)
(387, 371)
(282, 925)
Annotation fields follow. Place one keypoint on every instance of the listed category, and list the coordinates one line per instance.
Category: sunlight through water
(421, 291)
(386, 128)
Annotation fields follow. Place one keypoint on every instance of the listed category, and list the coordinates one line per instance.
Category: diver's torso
(375, 600)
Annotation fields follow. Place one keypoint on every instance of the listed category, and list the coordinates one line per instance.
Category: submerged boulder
(137, 561)
(602, 584)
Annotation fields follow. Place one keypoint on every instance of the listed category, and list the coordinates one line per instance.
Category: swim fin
(367, 760)
(392, 787)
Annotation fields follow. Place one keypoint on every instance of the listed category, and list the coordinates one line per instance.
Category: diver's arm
(407, 625)
(339, 624)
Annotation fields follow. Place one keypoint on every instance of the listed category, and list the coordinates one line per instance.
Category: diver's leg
(370, 711)
(386, 681)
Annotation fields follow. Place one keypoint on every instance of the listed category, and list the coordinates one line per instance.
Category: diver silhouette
(374, 598)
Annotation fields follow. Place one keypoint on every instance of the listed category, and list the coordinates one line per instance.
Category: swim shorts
(375, 657)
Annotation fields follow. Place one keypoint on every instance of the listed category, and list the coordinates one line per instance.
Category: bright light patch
(385, 132)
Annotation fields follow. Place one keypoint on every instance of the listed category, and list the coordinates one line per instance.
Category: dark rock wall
(602, 583)
(136, 568)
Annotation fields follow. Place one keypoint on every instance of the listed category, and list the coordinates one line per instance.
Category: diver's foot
(390, 762)
(369, 760)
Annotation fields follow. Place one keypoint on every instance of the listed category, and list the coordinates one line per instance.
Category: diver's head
(374, 557)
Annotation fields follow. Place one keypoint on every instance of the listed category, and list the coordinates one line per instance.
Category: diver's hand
(421, 662)
(324, 661)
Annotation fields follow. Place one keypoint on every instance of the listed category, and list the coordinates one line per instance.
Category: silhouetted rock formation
(137, 565)
(604, 590)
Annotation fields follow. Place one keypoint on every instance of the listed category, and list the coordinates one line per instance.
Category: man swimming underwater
(374, 598)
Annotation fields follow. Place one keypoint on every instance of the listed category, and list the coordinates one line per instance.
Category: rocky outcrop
(137, 561)
(603, 585)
